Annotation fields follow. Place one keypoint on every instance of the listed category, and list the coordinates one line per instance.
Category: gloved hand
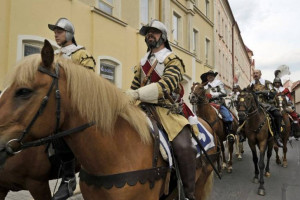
(148, 93)
(133, 95)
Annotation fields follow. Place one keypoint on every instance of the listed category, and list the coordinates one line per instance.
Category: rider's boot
(278, 131)
(185, 153)
(229, 131)
(68, 182)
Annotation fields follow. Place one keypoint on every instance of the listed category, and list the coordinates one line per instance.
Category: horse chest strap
(119, 180)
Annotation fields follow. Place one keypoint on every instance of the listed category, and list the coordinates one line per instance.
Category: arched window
(31, 44)
(110, 69)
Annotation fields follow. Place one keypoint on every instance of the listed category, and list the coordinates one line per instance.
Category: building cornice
(184, 8)
(108, 16)
(203, 16)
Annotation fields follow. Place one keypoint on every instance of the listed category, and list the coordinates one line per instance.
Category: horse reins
(44, 102)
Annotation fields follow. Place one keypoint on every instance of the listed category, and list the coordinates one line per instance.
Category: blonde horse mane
(95, 98)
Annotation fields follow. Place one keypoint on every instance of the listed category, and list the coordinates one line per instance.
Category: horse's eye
(23, 92)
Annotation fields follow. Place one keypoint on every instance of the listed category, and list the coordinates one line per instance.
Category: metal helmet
(65, 24)
(277, 80)
(157, 25)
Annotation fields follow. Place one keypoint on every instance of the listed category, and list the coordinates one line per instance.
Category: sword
(166, 94)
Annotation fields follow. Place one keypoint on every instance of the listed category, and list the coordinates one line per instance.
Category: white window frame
(108, 4)
(195, 41)
(207, 46)
(31, 40)
(176, 28)
(118, 69)
(207, 4)
(142, 12)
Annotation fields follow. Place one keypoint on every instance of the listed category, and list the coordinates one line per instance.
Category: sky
(270, 28)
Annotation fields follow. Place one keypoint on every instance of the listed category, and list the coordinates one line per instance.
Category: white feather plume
(282, 70)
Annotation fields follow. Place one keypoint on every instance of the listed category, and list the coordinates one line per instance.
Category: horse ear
(47, 54)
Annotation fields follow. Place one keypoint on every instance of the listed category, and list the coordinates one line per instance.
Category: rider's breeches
(185, 153)
(226, 115)
(278, 119)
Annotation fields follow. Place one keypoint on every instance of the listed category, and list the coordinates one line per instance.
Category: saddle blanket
(205, 137)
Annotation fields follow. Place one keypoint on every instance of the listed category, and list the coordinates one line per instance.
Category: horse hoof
(278, 162)
(229, 170)
(255, 180)
(224, 166)
(240, 158)
(284, 165)
(267, 174)
(261, 192)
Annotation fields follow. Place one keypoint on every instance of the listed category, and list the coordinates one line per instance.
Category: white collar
(68, 50)
(160, 56)
(215, 83)
(262, 81)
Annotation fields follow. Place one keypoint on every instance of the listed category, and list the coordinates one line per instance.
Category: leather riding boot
(68, 182)
(278, 131)
(185, 153)
(229, 131)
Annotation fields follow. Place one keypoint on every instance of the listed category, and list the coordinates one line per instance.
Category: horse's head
(197, 94)
(280, 101)
(26, 100)
(246, 105)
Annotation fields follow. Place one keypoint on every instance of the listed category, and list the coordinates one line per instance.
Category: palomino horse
(281, 103)
(33, 175)
(256, 126)
(109, 136)
(207, 112)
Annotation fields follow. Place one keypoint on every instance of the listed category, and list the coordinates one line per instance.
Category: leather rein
(252, 113)
(56, 133)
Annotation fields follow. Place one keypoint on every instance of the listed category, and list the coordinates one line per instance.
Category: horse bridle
(44, 102)
(199, 98)
(247, 112)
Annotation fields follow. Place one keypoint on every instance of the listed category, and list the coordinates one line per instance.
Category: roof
(295, 84)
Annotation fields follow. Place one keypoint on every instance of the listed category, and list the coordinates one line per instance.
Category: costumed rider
(290, 108)
(215, 93)
(266, 93)
(234, 94)
(159, 72)
(64, 37)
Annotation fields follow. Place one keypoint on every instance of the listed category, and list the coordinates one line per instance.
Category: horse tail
(208, 187)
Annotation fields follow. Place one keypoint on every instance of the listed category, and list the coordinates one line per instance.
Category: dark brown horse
(208, 113)
(281, 103)
(256, 127)
(109, 136)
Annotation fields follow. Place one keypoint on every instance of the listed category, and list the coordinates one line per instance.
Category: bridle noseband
(44, 102)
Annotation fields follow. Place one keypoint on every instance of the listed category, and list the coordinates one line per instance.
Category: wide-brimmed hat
(204, 75)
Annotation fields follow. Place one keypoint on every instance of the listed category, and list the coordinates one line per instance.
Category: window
(207, 8)
(195, 41)
(31, 49)
(219, 22)
(144, 11)
(106, 6)
(110, 69)
(176, 20)
(207, 49)
(107, 71)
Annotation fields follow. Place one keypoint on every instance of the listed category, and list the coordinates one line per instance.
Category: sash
(150, 73)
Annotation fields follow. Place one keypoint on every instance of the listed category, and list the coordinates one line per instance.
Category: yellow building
(109, 30)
